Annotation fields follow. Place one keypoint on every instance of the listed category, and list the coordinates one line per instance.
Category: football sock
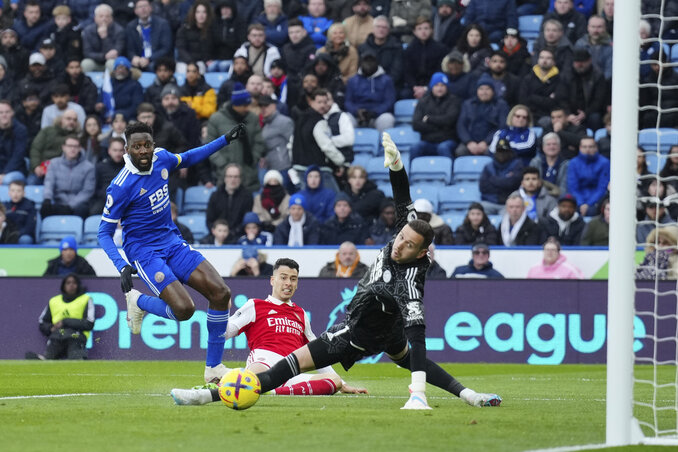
(435, 375)
(282, 371)
(216, 327)
(156, 306)
(312, 387)
(215, 395)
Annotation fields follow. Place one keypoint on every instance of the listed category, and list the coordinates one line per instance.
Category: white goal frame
(621, 427)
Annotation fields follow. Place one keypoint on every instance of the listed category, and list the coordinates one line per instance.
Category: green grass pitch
(122, 405)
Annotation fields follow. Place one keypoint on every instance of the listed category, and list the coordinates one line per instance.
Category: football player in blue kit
(138, 198)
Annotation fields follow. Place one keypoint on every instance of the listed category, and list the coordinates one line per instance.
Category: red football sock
(313, 387)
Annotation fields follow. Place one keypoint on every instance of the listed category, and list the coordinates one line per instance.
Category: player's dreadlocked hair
(424, 229)
(286, 262)
(137, 127)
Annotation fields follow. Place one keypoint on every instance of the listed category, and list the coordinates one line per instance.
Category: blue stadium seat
(386, 188)
(664, 138)
(674, 56)
(366, 141)
(403, 110)
(468, 168)
(496, 220)
(538, 131)
(655, 162)
(97, 78)
(4, 193)
(180, 78)
(431, 169)
(589, 132)
(529, 26)
(454, 219)
(179, 199)
(146, 79)
(215, 79)
(195, 199)
(35, 194)
(90, 230)
(404, 137)
(600, 133)
(457, 197)
(361, 159)
(196, 223)
(426, 191)
(56, 227)
(376, 171)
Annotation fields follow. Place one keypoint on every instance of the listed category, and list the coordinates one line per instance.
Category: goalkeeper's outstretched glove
(392, 158)
(126, 278)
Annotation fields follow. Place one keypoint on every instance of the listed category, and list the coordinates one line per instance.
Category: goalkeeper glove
(392, 158)
(235, 133)
(126, 278)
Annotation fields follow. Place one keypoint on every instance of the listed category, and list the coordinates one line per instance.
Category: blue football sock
(216, 327)
(156, 306)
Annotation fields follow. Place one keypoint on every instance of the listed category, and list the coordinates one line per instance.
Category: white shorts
(269, 358)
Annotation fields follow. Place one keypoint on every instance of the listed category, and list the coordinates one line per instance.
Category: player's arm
(193, 156)
(239, 321)
(399, 182)
(116, 204)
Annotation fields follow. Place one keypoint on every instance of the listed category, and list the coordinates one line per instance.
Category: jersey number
(158, 195)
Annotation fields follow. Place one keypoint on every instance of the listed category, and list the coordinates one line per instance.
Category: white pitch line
(83, 394)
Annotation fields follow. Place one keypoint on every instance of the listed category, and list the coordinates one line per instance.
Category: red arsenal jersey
(273, 325)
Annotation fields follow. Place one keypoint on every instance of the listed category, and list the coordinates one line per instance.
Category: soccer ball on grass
(239, 389)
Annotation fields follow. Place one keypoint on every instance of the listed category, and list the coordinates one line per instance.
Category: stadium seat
(215, 79)
(655, 162)
(146, 79)
(97, 78)
(35, 194)
(179, 199)
(196, 223)
(664, 138)
(403, 110)
(431, 169)
(366, 141)
(674, 56)
(195, 199)
(404, 137)
(496, 220)
(4, 193)
(361, 159)
(56, 227)
(589, 132)
(457, 197)
(426, 191)
(468, 168)
(90, 230)
(180, 78)
(453, 219)
(376, 171)
(538, 131)
(386, 188)
(600, 133)
(529, 26)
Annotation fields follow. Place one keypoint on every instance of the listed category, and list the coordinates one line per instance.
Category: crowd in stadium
(501, 109)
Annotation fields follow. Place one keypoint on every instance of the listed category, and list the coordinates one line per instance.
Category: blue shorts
(159, 268)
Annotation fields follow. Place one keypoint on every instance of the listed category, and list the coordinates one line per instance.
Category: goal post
(621, 285)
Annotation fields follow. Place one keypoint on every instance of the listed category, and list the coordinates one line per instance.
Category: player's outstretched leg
(207, 281)
(135, 315)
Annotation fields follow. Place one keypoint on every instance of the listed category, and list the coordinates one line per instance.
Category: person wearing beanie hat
(240, 96)
(246, 152)
(319, 199)
(127, 92)
(564, 222)
(435, 117)
(584, 76)
(254, 235)
(442, 233)
(272, 203)
(345, 225)
(395, 286)
(67, 321)
(300, 227)
(480, 117)
(68, 260)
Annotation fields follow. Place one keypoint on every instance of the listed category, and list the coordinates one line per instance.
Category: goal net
(642, 353)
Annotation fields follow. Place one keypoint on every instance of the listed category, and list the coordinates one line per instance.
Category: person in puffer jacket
(554, 265)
